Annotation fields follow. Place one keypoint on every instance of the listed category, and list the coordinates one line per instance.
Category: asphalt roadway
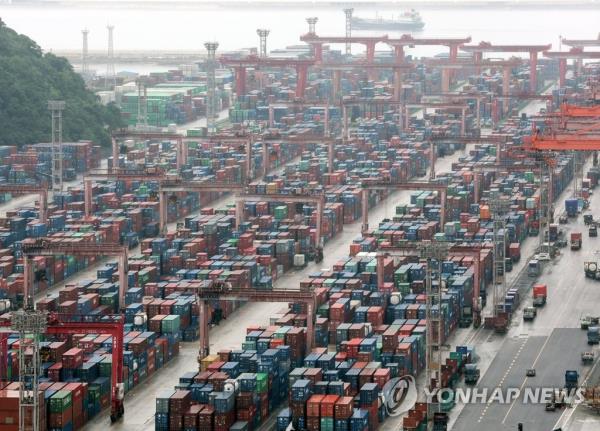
(552, 343)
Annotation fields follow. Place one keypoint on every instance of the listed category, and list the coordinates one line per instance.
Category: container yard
(339, 235)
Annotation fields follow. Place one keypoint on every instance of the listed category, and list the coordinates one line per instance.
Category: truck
(593, 335)
(529, 313)
(501, 323)
(576, 240)
(514, 251)
(587, 321)
(587, 358)
(471, 374)
(557, 400)
(540, 294)
(591, 270)
(533, 268)
(571, 379)
(571, 207)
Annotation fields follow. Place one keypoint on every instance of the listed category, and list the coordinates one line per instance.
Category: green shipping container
(262, 383)
(170, 324)
(60, 401)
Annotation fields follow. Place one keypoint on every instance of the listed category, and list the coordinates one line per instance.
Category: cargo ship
(410, 20)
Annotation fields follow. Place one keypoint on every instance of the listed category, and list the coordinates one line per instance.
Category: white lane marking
(525, 380)
(487, 406)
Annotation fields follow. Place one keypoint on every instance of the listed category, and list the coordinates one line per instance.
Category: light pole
(433, 251)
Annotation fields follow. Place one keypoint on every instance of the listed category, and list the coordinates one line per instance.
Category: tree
(28, 79)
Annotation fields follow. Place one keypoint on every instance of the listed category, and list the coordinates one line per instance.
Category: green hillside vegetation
(28, 79)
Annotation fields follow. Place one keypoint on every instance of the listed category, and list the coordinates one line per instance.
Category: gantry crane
(317, 199)
(241, 64)
(376, 184)
(575, 53)
(300, 104)
(453, 97)
(533, 50)
(408, 248)
(449, 65)
(181, 142)
(49, 246)
(221, 290)
(57, 324)
(497, 139)
(24, 189)
(567, 143)
(337, 68)
(179, 185)
(302, 141)
(148, 174)
(403, 110)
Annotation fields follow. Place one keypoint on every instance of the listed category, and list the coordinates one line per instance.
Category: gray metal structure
(348, 12)
(110, 80)
(56, 107)
(142, 117)
(84, 53)
(433, 252)
(262, 34)
(211, 108)
(312, 22)
(499, 208)
(30, 325)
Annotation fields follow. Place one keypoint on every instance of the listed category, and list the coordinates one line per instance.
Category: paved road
(570, 295)
(547, 356)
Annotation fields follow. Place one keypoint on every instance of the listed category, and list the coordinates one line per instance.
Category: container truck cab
(593, 230)
(529, 313)
(557, 400)
(540, 295)
(571, 379)
(472, 374)
(533, 268)
(576, 240)
(588, 219)
(587, 321)
(591, 270)
(587, 358)
(548, 248)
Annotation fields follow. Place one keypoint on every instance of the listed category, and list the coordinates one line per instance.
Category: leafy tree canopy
(28, 79)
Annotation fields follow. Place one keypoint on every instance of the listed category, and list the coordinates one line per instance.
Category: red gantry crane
(577, 54)
(25, 189)
(220, 290)
(407, 40)
(111, 325)
(302, 141)
(179, 185)
(410, 248)
(403, 110)
(377, 184)
(181, 142)
(241, 64)
(532, 50)
(148, 174)
(70, 247)
(464, 140)
(337, 68)
(317, 199)
(448, 65)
